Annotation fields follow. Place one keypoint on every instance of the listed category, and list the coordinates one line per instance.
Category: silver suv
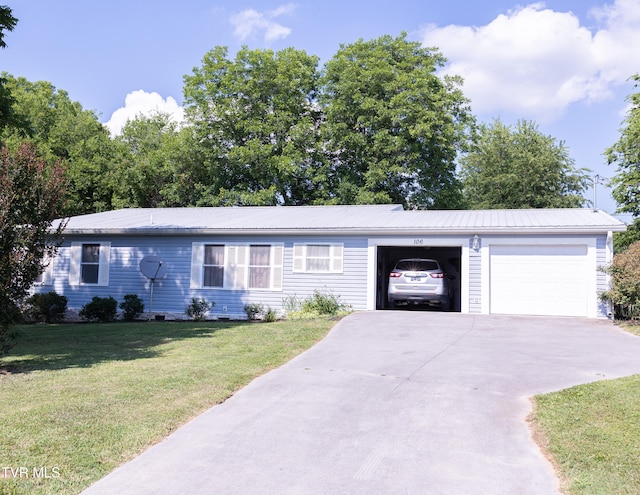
(418, 280)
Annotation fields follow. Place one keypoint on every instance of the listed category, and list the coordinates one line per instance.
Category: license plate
(416, 279)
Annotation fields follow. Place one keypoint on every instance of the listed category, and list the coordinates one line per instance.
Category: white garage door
(539, 280)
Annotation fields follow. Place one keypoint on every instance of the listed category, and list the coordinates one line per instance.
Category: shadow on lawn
(79, 345)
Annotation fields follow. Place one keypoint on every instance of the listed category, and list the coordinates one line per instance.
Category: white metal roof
(369, 219)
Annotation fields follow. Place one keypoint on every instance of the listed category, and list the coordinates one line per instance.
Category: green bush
(49, 307)
(131, 307)
(254, 310)
(323, 303)
(100, 309)
(257, 311)
(270, 315)
(197, 308)
(625, 283)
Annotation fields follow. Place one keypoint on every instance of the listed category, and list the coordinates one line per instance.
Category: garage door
(539, 280)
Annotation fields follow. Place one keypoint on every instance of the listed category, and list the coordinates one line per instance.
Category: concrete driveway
(401, 402)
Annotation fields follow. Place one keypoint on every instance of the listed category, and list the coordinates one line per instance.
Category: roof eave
(351, 230)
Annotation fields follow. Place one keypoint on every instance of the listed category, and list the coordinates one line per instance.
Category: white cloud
(142, 103)
(250, 22)
(535, 62)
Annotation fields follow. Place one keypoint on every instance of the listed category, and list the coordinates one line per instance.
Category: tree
(625, 283)
(146, 164)
(31, 196)
(393, 127)
(63, 130)
(255, 127)
(625, 154)
(519, 167)
(7, 23)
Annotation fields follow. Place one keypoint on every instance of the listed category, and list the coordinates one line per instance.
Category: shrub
(270, 315)
(323, 303)
(198, 307)
(131, 307)
(254, 310)
(100, 309)
(625, 283)
(319, 304)
(49, 307)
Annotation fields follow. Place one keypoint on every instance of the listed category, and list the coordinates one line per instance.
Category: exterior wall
(604, 246)
(172, 294)
(475, 280)
(356, 285)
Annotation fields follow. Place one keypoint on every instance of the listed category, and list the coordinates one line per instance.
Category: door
(540, 280)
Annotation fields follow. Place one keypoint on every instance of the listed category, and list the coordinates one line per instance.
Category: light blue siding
(602, 283)
(475, 282)
(172, 294)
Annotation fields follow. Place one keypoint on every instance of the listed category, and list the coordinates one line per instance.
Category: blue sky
(564, 64)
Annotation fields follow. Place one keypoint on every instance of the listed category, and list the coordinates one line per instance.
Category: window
(259, 267)
(236, 266)
(89, 263)
(213, 265)
(318, 258)
(46, 277)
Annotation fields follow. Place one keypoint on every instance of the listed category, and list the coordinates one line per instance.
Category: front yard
(79, 400)
(592, 434)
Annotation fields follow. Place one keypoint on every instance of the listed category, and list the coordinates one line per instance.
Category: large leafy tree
(393, 126)
(153, 166)
(7, 23)
(625, 154)
(255, 127)
(519, 167)
(63, 130)
(32, 195)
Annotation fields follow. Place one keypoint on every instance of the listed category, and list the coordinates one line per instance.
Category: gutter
(347, 231)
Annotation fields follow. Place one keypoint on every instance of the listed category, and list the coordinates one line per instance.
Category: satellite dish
(153, 268)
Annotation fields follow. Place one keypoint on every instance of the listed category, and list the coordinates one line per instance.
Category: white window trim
(103, 265)
(336, 257)
(47, 273)
(236, 266)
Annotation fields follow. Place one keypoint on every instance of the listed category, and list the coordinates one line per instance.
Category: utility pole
(597, 179)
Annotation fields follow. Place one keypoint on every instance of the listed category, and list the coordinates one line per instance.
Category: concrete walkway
(401, 402)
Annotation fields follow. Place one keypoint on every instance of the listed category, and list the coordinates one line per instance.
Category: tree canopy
(519, 167)
(255, 123)
(393, 127)
(377, 125)
(625, 154)
(62, 130)
(7, 23)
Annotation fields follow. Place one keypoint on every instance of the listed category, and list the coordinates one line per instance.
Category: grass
(592, 435)
(79, 400)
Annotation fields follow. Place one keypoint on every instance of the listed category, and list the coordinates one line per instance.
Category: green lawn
(79, 400)
(592, 434)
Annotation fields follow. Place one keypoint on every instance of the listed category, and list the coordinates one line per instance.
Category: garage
(449, 258)
(540, 279)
